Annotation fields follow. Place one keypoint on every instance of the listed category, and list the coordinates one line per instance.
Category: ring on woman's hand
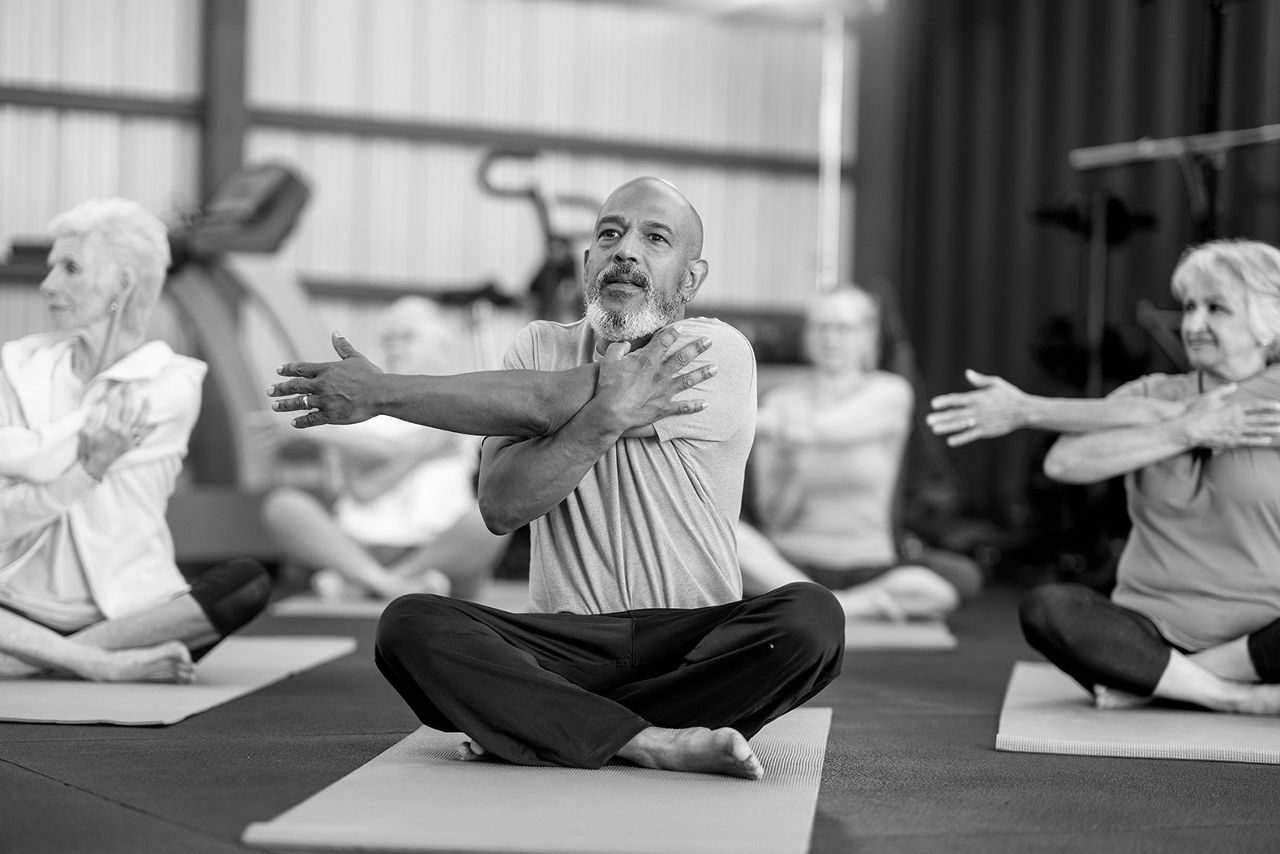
(970, 423)
(306, 401)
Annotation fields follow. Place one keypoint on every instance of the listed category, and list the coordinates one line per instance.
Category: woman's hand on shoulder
(1213, 421)
(117, 425)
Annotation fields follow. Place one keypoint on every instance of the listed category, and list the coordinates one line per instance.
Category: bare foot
(166, 662)
(470, 750)
(1256, 700)
(1113, 698)
(710, 751)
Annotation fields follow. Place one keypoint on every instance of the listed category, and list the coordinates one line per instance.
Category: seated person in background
(825, 466)
(406, 518)
(94, 421)
(1195, 614)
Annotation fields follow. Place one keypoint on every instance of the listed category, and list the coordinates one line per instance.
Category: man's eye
(607, 234)
(658, 238)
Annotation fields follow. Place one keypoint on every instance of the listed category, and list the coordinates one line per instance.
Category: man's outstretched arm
(523, 403)
(508, 403)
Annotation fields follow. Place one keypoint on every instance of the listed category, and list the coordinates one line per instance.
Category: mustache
(623, 271)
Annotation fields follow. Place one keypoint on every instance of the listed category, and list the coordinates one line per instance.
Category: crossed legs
(680, 689)
(158, 644)
(1120, 656)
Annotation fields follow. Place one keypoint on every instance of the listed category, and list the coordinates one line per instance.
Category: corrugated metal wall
(411, 211)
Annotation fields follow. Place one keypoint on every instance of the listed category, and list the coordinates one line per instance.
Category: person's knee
(810, 617)
(232, 594)
(409, 623)
(1046, 613)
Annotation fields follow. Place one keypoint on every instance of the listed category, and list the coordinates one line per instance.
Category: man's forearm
(488, 403)
(523, 481)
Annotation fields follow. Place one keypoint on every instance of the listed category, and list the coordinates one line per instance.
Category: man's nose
(627, 248)
(49, 284)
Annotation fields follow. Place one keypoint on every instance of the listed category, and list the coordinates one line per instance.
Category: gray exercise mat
(417, 797)
(237, 666)
(912, 634)
(1045, 711)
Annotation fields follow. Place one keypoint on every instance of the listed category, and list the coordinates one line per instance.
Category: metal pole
(830, 128)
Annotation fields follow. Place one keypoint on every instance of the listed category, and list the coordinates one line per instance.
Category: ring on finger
(306, 401)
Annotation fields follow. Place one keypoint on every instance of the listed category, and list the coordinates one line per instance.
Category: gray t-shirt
(1203, 557)
(653, 523)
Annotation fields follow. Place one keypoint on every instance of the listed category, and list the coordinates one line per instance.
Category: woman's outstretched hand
(995, 407)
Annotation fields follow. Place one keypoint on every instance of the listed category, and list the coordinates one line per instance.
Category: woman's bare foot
(1113, 698)
(166, 662)
(1255, 700)
(710, 751)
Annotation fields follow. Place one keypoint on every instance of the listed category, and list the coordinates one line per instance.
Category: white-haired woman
(1195, 613)
(825, 465)
(405, 518)
(94, 422)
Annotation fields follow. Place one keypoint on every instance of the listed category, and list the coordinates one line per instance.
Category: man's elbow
(498, 519)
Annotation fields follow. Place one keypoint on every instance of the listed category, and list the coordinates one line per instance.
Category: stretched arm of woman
(1209, 421)
(996, 407)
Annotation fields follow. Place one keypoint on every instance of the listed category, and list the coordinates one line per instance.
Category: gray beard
(627, 326)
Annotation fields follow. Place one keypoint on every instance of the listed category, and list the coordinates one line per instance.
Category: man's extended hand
(640, 388)
(335, 392)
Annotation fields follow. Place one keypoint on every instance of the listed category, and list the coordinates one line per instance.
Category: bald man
(624, 449)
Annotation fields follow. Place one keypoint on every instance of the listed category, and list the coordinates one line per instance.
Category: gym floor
(910, 764)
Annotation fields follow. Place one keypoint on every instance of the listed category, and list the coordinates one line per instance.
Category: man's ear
(695, 275)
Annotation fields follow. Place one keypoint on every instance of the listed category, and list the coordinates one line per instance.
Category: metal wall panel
(136, 47)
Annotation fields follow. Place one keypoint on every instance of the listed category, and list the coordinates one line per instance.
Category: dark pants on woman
(572, 689)
(1097, 642)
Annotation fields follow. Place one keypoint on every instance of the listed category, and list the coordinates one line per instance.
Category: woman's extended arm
(997, 407)
(1208, 421)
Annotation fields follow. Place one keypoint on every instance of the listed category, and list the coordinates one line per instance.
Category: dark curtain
(992, 95)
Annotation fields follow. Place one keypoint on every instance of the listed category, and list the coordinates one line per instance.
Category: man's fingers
(292, 404)
(343, 347)
(311, 419)
(298, 369)
(697, 376)
(288, 387)
(686, 354)
(617, 350)
(686, 407)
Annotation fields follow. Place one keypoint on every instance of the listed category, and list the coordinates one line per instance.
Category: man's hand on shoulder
(335, 392)
(639, 388)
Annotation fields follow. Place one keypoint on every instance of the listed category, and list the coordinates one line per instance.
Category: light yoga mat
(417, 797)
(1045, 711)
(507, 595)
(913, 634)
(237, 666)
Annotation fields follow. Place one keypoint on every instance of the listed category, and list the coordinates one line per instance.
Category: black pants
(1097, 642)
(572, 689)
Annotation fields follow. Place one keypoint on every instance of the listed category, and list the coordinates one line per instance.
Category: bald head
(686, 222)
(644, 262)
